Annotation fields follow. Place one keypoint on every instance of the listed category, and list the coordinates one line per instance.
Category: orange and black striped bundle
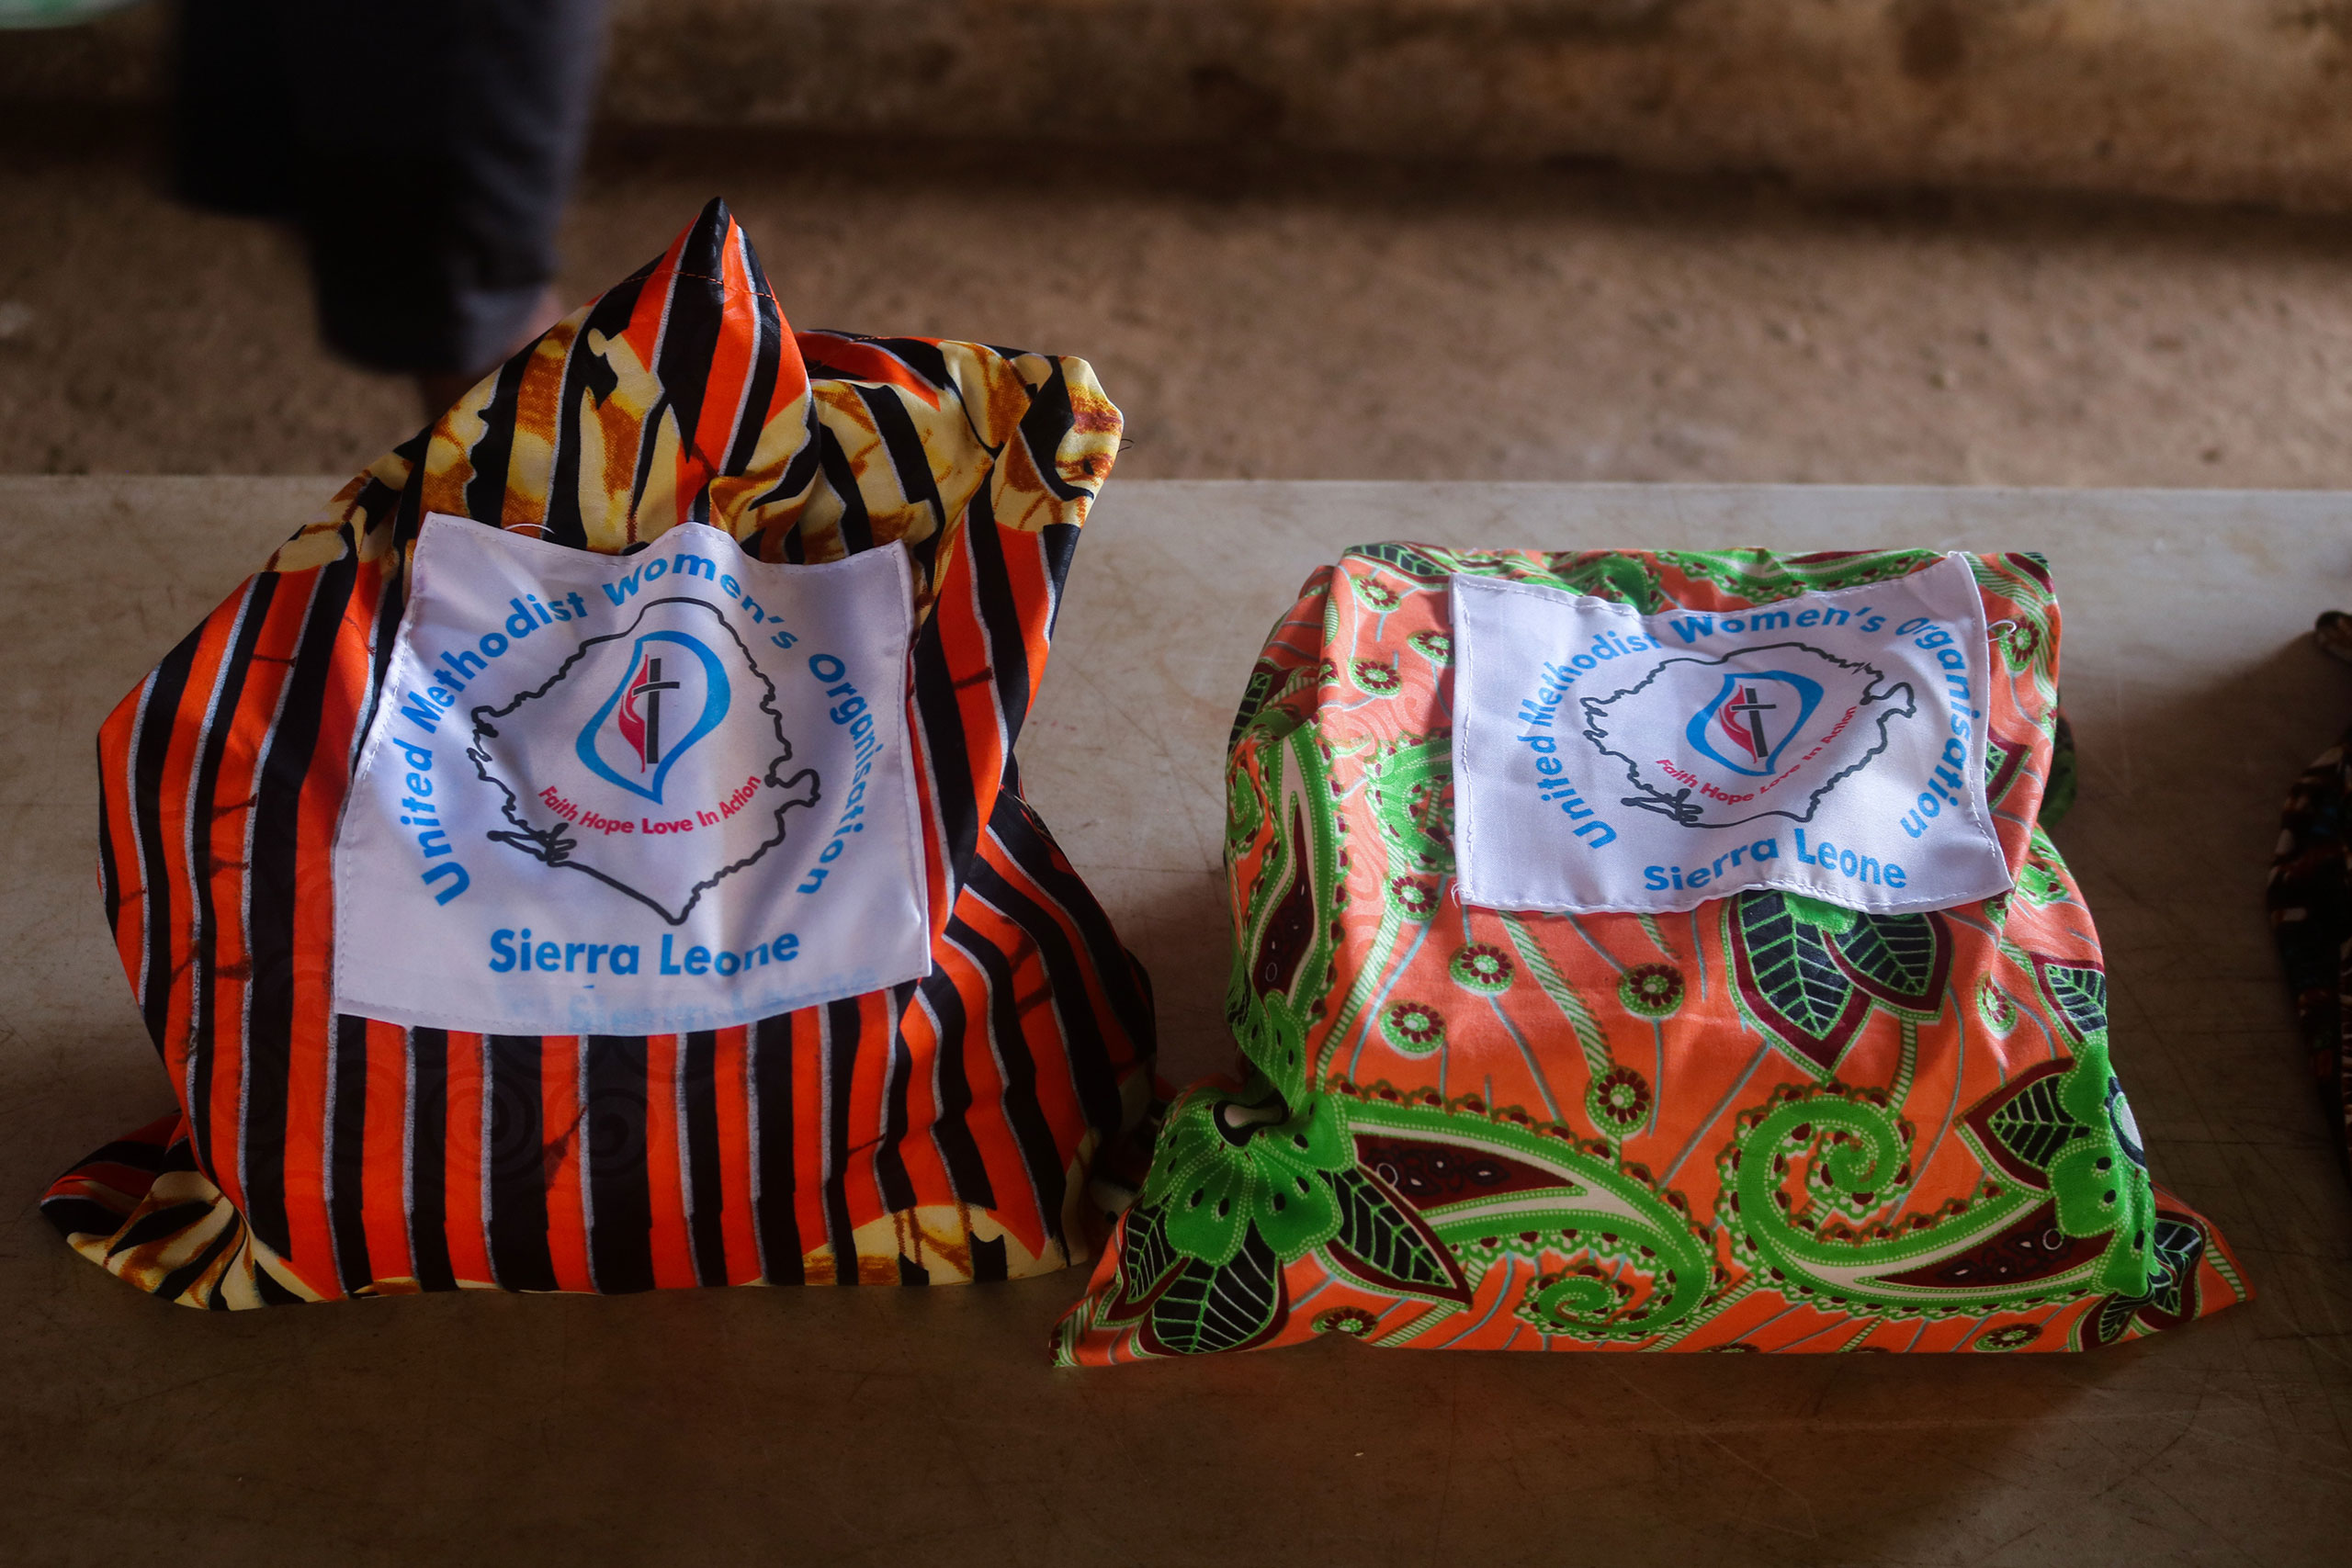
(933, 1129)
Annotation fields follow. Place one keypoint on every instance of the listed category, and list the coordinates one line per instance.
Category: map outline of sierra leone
(1676, 802)
(569, 828)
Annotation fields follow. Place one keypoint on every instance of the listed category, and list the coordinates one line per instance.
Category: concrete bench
(445, 1428)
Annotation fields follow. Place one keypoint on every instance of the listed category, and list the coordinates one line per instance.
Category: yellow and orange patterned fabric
(939, 1131)
(1769, 1123)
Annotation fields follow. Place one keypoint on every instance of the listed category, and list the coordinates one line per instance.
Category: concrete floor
(1300, 317)
(894, 1426)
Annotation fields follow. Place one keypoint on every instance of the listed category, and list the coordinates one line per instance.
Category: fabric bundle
(2311, 913)
(1739, 1114)
(671, 680)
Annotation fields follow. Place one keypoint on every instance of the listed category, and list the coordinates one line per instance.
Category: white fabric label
(632, 794)
(1830, 744)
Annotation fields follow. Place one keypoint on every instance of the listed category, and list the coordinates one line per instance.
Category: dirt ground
(1263, 318)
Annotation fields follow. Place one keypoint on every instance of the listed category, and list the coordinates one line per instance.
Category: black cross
(1755, 712)
(651, 688)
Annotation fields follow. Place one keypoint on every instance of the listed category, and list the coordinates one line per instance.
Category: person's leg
(233, 113)
(437, 142)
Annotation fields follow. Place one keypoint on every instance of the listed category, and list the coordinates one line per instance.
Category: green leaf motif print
(2032, 1125)
(1229, 1306)
(2100, 1179)
(1382, 1242)
(1808, 972)
(2169, 1298)
(2078, 991)
(1789, 983)
(1227, 1167)
(1901, 961)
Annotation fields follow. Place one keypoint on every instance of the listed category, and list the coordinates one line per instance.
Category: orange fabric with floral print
(1766, 1124)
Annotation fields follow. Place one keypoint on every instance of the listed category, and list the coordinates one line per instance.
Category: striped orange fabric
(943, 1130)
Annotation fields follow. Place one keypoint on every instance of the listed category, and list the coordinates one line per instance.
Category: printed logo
(1783, 726)
(627, 743)
(639, 795)
(1600, 755)
(1753, 726)
(674, 713)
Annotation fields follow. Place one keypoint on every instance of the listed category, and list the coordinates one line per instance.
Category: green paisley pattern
(1436, 1215)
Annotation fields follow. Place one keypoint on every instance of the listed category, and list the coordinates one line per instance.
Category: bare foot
(438, 389)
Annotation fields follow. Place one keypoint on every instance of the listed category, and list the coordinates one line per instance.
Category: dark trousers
(424, 147)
